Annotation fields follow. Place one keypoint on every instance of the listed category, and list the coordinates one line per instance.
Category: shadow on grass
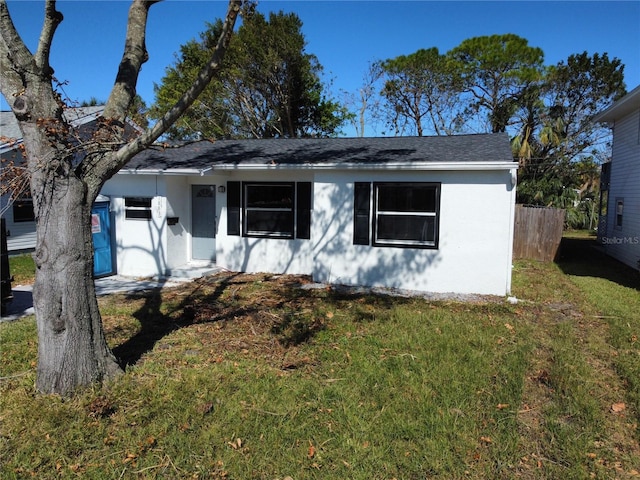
(159, 316)
(274, 304)
(157, 320)
(584, 257)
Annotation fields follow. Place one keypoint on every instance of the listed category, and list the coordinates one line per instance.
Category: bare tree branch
(52, 18)
(14, 55)
(98, 168)
(204, 77)
(135, 54)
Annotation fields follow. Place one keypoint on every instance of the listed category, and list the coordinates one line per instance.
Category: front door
(203, 222)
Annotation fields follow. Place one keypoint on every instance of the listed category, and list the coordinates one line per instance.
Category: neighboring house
(21, 227)
(619, 229)
(431, 214)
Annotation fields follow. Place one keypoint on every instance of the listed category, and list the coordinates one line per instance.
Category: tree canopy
(422, 88)
(558, 146)
(269, 85)
(497, 71)
(499, 83)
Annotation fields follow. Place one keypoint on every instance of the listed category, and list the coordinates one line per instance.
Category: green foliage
(497, 71)
(548, 111)
(572, 186)
(268, 86)
(559, 122)
(419, 88)
(558, 143)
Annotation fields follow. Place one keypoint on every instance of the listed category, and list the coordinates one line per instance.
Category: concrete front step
(193, 271)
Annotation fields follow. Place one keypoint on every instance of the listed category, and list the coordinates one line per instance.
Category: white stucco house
(619, 228)
(431, 214)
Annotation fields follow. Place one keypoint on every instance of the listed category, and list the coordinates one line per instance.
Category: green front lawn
(247, 376)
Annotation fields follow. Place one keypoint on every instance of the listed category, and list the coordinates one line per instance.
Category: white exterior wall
(475, 244)
(152, 248)
(623, 243)
(475, 231)
(254, 255)
(141, 246)
(178, 236)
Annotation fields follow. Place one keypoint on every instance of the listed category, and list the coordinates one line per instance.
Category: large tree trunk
(72, 350)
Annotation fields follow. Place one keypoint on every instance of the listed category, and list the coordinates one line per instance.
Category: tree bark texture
(72, 350)
(66, 175)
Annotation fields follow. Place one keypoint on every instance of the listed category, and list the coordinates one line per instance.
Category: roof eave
(167, 171)
(408, 166)
(404, 166)
(621, 108)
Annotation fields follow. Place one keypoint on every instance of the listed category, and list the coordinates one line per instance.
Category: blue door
(101, 229)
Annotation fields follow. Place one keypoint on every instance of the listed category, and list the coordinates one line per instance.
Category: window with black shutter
(400, 214)
(269, 209)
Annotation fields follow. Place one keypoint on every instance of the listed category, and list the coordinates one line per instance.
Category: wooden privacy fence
(537, 233)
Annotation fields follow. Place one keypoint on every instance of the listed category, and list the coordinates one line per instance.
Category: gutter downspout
(512, 213)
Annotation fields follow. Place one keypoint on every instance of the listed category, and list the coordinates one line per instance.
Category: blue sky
(345, 35)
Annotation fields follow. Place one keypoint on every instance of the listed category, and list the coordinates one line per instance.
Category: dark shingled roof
(318, 151)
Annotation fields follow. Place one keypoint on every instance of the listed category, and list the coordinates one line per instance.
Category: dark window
(404, 214)
(619, 211)
(23, 210)
(269, 209)
(137, 208)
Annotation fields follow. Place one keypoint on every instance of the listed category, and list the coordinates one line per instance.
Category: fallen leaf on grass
(312, 451)
(235, 444)
(502, 406)
(486, 440)
(618, 407)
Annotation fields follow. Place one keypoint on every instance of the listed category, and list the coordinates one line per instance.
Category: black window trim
(138, 208)
(301, 208)
(372, 220)
(284, 235)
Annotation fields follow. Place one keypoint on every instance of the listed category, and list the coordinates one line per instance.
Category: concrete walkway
(22, 303)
